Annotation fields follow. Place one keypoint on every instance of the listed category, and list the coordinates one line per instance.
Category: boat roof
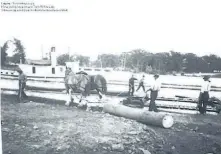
(38, 62)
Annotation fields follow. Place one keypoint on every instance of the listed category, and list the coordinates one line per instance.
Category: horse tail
(104, 84)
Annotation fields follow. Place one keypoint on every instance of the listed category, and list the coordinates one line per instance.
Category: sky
(93, 27)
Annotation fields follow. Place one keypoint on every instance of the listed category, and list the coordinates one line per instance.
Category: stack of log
(182, 102)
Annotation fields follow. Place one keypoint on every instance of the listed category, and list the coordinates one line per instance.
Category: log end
(167, 121)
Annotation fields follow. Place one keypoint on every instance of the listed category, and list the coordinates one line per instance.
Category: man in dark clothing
(131, 85)
(204, 95)
(141, 84)
(22, 79)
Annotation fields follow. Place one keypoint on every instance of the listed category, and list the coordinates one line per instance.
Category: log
(141, 115)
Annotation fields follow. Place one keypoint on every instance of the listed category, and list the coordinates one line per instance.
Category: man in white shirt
(204, 95)
(155, 87)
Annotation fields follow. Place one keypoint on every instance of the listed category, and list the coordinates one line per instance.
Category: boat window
(6, 73)
(61, 69)
(33, 70)
(12, 73)
(107, 70)
(87, 69)
(97, 69)
(53, 70)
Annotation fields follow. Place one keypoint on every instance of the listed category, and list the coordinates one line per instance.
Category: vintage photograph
(110, 77)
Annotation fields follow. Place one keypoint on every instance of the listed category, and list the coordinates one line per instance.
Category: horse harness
(78, 84)
(92, 79)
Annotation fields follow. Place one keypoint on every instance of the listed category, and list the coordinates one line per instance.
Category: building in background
(47, 68)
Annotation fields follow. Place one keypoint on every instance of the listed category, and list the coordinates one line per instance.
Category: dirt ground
(44, 126)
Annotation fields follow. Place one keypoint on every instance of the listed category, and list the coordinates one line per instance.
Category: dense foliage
(141, 60)
(138, 60)
(4, 53)
(19, 52)
(83, 60)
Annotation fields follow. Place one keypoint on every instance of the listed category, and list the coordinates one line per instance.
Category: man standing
(204, 95)
(155, 88)
(141, 84)
(131, 85)
(22, 78)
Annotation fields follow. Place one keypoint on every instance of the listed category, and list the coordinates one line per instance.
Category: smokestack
(53, 57)
(52, 49)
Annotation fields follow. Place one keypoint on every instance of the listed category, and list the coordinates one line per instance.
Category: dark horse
(84, 84)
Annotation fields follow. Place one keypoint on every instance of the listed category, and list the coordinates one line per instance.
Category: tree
(137, 59)
(190, 62)
(19, 52)
(175, 62)
(83, 60)
(62, 59)
(3, 53)
(212, 62)
(109, 60)
(161, 61)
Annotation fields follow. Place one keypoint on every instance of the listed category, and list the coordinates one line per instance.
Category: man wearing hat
(155, 88)
(204, 95)
(22, 84)
(131, 85)
(141, 84)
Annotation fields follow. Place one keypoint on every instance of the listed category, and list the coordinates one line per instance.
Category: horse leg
(67, 100)
(82, 101)
(80, 98)
(99, 93)
(69, 97)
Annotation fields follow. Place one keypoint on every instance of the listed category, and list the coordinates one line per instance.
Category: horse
(84, 83)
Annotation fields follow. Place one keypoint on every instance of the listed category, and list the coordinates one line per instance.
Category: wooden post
(141, 115)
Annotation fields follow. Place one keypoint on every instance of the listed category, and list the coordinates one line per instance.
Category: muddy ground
(45, 126)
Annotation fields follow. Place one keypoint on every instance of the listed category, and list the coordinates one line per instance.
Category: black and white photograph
(110, 76)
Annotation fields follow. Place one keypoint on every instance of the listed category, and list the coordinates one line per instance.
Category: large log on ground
(141, 115)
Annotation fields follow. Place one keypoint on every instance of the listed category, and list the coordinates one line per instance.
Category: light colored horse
(84, 84)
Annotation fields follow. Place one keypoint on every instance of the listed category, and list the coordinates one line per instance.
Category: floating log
(141, 115)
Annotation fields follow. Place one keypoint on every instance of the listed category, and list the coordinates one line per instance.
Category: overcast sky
(92, 27)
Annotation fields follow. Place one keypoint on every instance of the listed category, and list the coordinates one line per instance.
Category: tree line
(143, 61)
(137, 60)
